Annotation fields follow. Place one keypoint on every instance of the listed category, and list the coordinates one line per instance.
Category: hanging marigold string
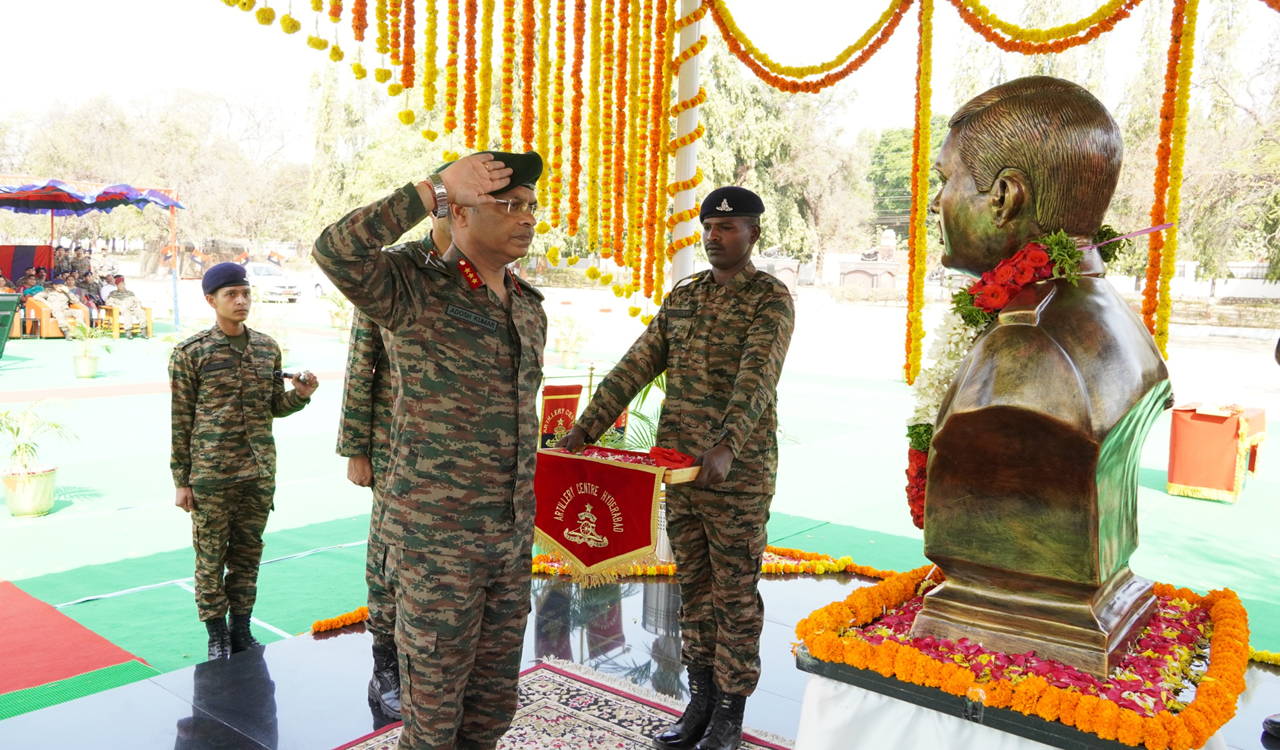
(407, 52)
(506, 126)
(639, 178)
(394, 14)
(918, 238)
(359, 19)
(383, 43)
(620, 93)
(469, 81)
(802, 71)
(484, 105)
(593, 130)
(430, 72)
(656, 144)
(528, 79)
(1170, 255)
(673, 146)
(606, 107)
(664, 161)
(544, 88)
(1168, 109)
(556, 187)
(335, 11)
(575, 116)
(816, 84)
(1014, 31)
(451, 70)
(1026, 46)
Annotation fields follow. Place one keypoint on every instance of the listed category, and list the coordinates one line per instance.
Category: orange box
(1211, 448)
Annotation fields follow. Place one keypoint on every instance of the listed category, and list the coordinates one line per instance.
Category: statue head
(1022, 160)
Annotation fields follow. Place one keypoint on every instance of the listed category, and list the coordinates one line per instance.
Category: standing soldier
(721, 336)
(83, 262)
(227, 388)
(128, 308)
(364, 436)
(466, 339)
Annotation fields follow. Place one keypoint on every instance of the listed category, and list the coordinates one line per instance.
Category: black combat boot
(685, 733)
(219, 639)
(725, 731)
(241, 636)
(384, 687)
(1271, 724)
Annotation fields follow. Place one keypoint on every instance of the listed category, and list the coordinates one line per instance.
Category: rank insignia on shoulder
(515, 282)
(469, 273)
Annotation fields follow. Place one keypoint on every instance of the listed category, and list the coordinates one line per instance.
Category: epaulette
(193, 338)
(778, 284)
(530, 287)
(697, 276)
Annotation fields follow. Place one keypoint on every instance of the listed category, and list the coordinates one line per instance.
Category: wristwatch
(442, 198)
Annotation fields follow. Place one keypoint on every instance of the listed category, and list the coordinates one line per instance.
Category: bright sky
(134, 50)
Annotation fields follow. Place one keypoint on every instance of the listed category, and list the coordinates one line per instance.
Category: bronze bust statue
(1031, 506)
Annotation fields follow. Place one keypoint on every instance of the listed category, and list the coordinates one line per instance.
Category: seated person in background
(6, 286)
(128, 308)
(59, 299)
(42, 273)
(91, 288)
(30, 284)
(72, 281)
(106, 286)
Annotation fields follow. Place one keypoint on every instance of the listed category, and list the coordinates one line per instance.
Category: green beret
(526, 168)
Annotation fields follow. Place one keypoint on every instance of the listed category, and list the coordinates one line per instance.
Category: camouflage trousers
(382, 594)
(460, 632)
(226, 528)
(719, 540)
(131, 315)
(62, 312)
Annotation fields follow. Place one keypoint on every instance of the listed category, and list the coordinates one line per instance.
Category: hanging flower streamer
(575, 116)
(469, 82)
(1014, 31)
(265, 15)
(618, 203)
(506, 125)
(918, 238)
(673, 146)
(485, 103)
(407, 60)
(451, 70)
(1178, 150)
(804, 71)
(1164, 149)
(640, 176)
(633, 136)
(544, 88)
(605, 195)
(1029, 41)
(593, 130)
(359, 19)
(289, 24)
(528, 61)
(335, 10)
(814, 85)
(556, 187)
(394, 13)
(430, 72)
(657, 146)
(664, 164)
(383, 43)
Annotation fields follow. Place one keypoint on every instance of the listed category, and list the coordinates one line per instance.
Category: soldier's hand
(186, 499)
(469, 180)
(715, 465)
(305, 383)
(360, 471)
(574, 441)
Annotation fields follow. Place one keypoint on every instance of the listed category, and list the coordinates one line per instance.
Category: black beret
(526, 168)
(731, 201)
(224, 274)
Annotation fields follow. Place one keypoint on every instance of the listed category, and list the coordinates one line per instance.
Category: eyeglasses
(519, 207)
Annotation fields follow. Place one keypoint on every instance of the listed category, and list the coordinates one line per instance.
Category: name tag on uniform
(466, 316)
(677, 313)
(215, 366)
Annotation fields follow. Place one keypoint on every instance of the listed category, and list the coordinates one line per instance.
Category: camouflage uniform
(722, 349)
(128, 307)
(60, 303)
(223, 404)
(368, 395)
(83, 265)
(459, 505)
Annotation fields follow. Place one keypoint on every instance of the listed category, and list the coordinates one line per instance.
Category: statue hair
(1058, 134)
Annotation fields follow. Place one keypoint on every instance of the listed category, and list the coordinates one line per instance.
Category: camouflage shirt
(223, 404)
(722, 348)
(120, 297)
(465, 430)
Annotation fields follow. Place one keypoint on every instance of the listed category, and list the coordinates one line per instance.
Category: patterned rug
(562, 710)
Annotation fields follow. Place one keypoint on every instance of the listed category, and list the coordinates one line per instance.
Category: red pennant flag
(559, 410)
(599, 514)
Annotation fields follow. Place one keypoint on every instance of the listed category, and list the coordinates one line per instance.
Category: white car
(318, 283)
(269, 283)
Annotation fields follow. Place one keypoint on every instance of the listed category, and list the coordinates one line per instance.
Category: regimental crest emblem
(586, 531)
(724, 205)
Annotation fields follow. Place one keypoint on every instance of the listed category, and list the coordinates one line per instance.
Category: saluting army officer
(225, 395)
(466, 340)
(721, 336)
(364, 436)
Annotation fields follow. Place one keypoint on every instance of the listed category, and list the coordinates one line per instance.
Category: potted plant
(28, 487)
(571, 347)
(340, 314)
(87, 339)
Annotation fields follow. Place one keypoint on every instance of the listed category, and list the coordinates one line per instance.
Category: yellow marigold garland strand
(639, 178)
(528, 74)
(918, 238)
(1168, 110)
(485, 103)
(430, 71)
(664, 163)
(674, 145)
(607, 106)
(1021, 34)
(804, 71)
(620, 92)
(394, 15)
(1170, 259)
(544, 98)
(657, 146)
(382, 43)
(506, 125)
(451, 71)
(556, 188)
(469, 82)
(575, 116)
(593, 128)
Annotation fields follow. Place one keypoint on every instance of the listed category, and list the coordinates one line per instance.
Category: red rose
(988, 278)
(919, 459)
(1044, 272)
(1036, 255)
(1003, 273)
(993, 298)
(976, 287)
(1024, 274)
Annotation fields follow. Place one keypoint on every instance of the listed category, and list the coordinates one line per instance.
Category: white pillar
(686, 156)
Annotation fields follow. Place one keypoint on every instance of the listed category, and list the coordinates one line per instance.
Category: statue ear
(1010, 195)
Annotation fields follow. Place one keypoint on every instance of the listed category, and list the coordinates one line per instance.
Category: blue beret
(731, 201)
(224, 274)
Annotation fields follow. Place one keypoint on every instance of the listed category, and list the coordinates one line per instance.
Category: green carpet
(43, 696)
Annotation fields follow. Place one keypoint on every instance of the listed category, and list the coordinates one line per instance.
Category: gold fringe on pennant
(624, 566)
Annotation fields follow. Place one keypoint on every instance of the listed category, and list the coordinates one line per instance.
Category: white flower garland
(952, 341)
